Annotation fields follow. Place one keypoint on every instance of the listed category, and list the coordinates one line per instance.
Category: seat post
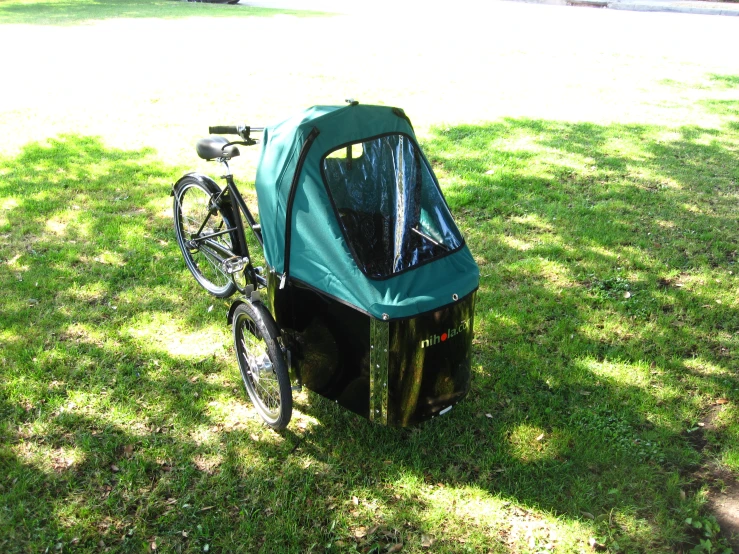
(227, 175)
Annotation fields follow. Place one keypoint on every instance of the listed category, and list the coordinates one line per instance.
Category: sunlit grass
(75, 12)
(602, 214)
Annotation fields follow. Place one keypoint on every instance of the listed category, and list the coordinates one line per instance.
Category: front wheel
(205, 234)
(262, 363)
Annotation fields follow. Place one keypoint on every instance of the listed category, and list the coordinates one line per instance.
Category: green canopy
(349, 206)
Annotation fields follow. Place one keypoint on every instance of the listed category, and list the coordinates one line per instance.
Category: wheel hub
(259, 365)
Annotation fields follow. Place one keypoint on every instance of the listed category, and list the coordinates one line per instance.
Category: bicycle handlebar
(241, 130)
(223, 130)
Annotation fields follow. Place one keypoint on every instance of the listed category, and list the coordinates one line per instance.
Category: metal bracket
(379, 362)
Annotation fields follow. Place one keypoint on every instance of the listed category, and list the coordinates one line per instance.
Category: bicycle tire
(262, 364)
(192, 199)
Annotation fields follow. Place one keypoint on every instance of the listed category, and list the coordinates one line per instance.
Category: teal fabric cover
(319, 255)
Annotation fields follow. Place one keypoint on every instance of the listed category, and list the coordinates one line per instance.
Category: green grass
(607, 330)
(71, 12)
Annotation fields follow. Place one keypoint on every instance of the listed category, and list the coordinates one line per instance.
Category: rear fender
(206, 181)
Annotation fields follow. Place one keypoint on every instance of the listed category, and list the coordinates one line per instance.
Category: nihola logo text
(450, 333)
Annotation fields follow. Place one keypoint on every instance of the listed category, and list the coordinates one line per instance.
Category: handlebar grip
(223, 130)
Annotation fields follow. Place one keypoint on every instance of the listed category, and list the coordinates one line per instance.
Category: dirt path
(723, 497)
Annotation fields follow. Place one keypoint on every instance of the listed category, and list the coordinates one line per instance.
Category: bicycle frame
(232, 204)
(227, 197)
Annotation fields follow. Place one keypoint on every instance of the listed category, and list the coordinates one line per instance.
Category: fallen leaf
(595, 545)
(128, 450)
(540, 437)
(206, 548)
(355, 500)
(114, 468)
(722, 401)
(373, 530)
(360, 532)
(489, 415)
(154, 546)
(490, 172)
(427, 541)
(397, 547)
(588, 515)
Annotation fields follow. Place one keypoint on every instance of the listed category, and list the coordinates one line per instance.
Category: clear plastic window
(390, 208)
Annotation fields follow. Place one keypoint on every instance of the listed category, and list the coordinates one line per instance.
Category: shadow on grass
(582, 395)
(60, 12)
(597, 350)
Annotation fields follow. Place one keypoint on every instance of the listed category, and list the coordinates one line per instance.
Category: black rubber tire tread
(256, 316)
(219, 290)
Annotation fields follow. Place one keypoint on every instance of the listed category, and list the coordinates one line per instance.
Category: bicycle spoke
(214, 263)
(262, 366)
(195, 213)
(266, 385)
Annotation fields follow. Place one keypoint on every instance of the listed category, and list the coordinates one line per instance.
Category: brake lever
(249, 142)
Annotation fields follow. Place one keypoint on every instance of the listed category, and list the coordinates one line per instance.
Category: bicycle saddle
(211, 148)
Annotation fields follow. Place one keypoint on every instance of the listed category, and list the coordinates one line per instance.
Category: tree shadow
(581, 401)
(563, 231)
(92, 352)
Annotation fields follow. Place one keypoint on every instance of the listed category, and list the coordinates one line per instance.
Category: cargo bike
(369, 291)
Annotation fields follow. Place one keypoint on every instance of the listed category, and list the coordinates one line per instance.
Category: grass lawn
(597, 189)
(74, 12)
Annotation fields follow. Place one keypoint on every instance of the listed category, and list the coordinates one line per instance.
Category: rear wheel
(262, 363)
(204, 247)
